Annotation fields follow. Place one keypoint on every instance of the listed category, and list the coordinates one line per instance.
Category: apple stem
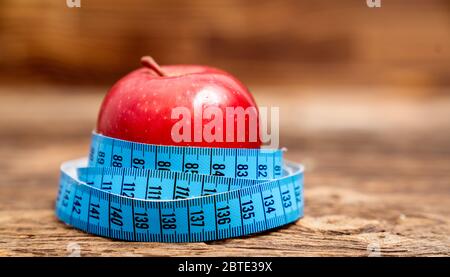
(149, 62)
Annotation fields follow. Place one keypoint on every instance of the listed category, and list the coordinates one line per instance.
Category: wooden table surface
(377, 178)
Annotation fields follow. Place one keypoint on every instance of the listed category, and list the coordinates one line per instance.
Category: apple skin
(139, 106)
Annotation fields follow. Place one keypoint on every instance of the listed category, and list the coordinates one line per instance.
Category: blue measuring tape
(140, 192)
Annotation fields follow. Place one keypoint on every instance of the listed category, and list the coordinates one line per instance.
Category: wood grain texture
(369, 187)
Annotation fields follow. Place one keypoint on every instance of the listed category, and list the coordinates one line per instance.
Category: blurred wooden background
(403, 43)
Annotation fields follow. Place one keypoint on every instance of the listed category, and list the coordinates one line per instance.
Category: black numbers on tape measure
(286, 199)
(209, 191)
(247, 210)
(138, 163)
(94, 211)
(191, 168)
(91, 154)
(59, 195)
(197, 218)
(298, 194)
(218, 169)
(168, 221)
(154, 192)
(262, 170)
(65, 200)
(141, 220)
(277, 170)
(163, 165)
(117, 161)
(101, 157)
(116, 216)
(269, 202)
(106, 186)
(223, 215)
(128, 190)
(181, 192)
(242, 170)
(77, 204)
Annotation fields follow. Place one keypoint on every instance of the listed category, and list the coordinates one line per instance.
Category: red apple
(139, 106)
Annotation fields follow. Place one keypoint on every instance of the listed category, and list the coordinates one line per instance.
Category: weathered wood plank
(369, 191)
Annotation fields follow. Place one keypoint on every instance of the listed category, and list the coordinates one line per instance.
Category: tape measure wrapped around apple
(153, 174)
